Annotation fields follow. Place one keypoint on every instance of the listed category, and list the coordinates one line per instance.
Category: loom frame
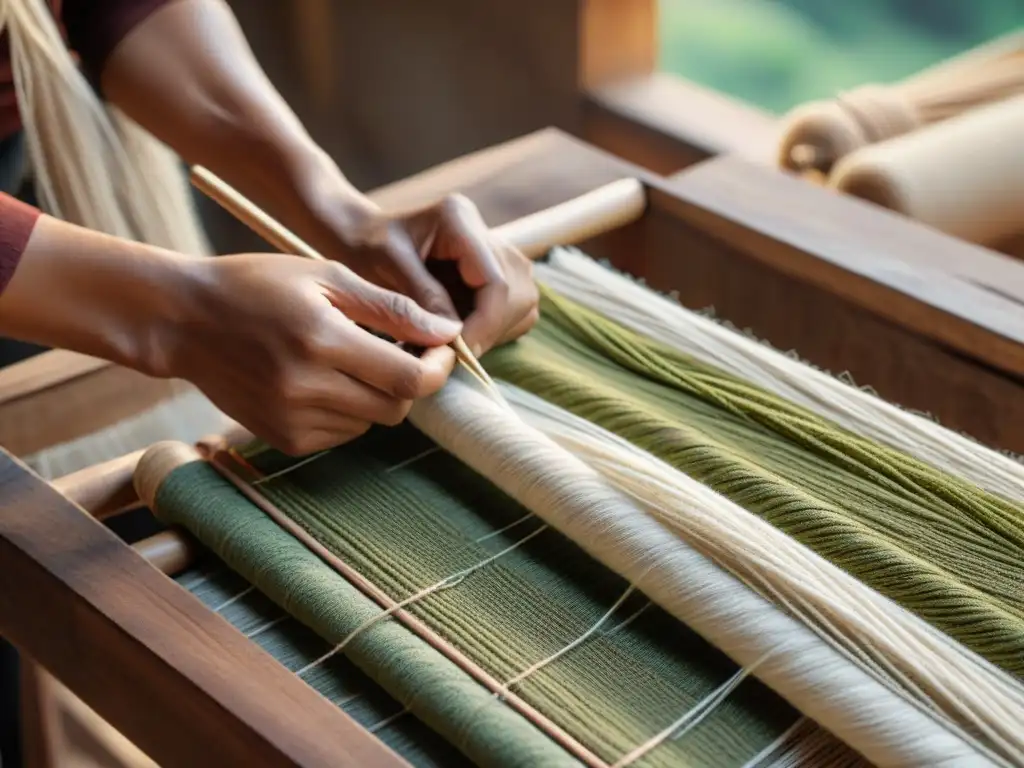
(770, 252)
(930, 322)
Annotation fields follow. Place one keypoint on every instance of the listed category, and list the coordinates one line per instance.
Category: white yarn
(947, 675)
(92, 166)
(815, 677)
(619, 298)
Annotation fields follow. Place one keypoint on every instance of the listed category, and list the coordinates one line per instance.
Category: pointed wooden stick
(282, 238)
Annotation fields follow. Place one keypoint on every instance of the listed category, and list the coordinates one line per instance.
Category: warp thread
(620, 298)
(942, 548)
(571, 497)
(940, 672)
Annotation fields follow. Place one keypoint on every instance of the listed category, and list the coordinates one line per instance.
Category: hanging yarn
(819, 134)
(619, 298)
(92, 165)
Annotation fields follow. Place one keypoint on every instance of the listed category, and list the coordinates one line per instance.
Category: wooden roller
(601, 210)
(172, 551)
(963, 176)
(106, 489)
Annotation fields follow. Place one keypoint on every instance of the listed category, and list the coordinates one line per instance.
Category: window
(779, 53)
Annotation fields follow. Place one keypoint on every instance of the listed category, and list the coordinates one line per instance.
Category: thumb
(387, 311)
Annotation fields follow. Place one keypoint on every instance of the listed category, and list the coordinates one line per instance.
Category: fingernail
(445, 326)
(476, 349)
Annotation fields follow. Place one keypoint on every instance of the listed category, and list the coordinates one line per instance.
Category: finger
(408, 274)
(464, 237)
(387, 311)
(522, 327)
(489, 319)
(333, 392)
(380, 363)
(442, 360)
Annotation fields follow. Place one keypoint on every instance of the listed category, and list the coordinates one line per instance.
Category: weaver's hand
(274, 342)
(446, 259)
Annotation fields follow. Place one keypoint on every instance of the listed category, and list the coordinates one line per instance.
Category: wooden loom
(848, 286)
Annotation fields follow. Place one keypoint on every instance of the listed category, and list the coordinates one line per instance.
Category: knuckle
(456, 202)
(531, 318)
(293, 443)
(398, 306)
(288, 389)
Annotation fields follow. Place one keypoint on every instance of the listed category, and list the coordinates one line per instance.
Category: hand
(273, 341)
(446, 259)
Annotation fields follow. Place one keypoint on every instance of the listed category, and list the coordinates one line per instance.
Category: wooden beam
(666, 123)
(176, 679)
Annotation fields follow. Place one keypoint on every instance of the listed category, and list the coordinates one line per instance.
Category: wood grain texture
(174, 678)
(55, 405)
(932, 323)
(413, 84)
(961, 296)
(515, 178)
(666, 123)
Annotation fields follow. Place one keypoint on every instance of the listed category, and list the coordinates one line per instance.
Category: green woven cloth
(941, 547)
(339, 680)
(406, 516)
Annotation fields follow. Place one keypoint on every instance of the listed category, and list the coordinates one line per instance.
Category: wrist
(338, 217)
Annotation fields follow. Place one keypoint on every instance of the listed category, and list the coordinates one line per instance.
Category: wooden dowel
(169, 551)
(594, 213)
(163, 458)
(247, 212)
(103, 490)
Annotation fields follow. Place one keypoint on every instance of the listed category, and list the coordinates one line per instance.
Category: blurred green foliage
(778, 53)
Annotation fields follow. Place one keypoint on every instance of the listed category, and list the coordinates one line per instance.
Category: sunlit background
(778, 53)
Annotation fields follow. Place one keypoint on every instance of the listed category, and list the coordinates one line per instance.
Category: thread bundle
(92, 165)
(818, 135)
(890, 685)
(618, 297)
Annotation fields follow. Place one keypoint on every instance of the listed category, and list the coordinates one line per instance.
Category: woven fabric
(943, 548)
(406, 517)
(339, 680)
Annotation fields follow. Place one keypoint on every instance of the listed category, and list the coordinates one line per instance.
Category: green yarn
(434, 690)
(338, 680)
(406, 526)
(943, 548)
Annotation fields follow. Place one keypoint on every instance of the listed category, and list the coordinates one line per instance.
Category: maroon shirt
(92, 28)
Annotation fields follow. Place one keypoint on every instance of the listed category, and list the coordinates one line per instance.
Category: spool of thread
(964, 176)
(819, 134)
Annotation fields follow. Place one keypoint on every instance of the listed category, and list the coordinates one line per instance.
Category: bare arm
(187, 74)
(273, 340)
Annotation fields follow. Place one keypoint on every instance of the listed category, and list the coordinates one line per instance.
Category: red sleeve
(17, 220)
(95, 27)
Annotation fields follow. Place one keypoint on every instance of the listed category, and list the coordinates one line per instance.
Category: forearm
(87, 292)
(187, 74)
